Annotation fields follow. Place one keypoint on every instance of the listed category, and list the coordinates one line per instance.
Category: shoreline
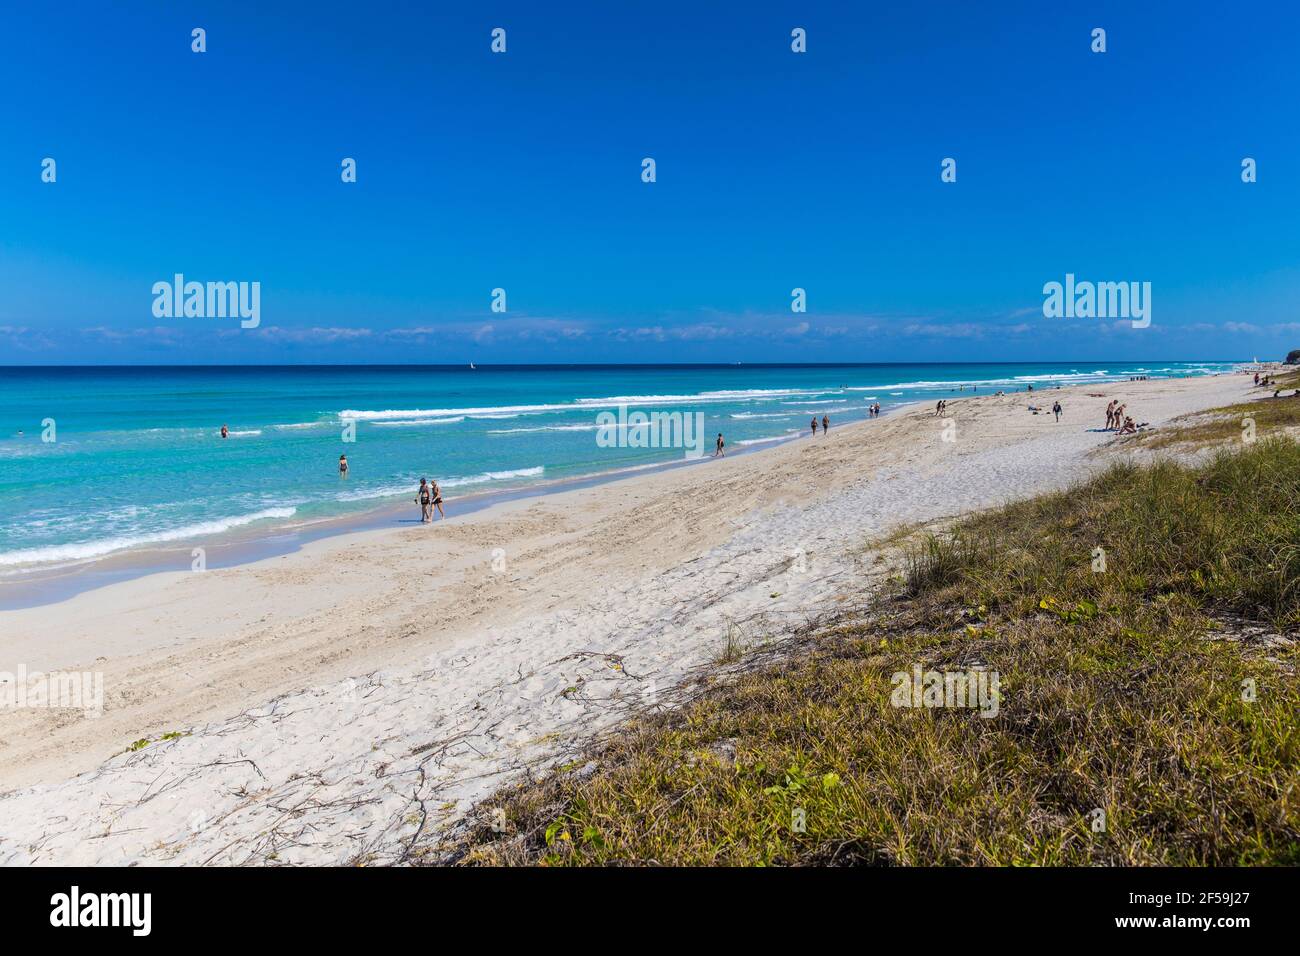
(388, 666)
(42, 584)
(237, 547)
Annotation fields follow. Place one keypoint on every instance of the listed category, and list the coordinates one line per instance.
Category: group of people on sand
(429, 497)
(826, 425)
(1269, 382)
(1117, 420)
(941, 408)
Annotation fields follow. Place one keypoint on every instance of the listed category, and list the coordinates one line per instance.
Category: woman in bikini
(425, 498)
(437, 498)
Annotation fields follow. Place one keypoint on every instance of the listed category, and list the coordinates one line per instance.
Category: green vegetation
(1148, 710)
(1268, 416)
(145, 741)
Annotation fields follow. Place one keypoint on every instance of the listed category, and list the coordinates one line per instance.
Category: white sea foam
(568, 428)
(763, 441)
(408, 486)
(746, 394)
(495, 476)
(543, 428)
(408, 423)
(83, 550)
(389, 414)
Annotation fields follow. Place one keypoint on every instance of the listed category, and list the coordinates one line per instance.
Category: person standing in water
(225, 432)
(826, 425)
(814, 426)
(718, 446)
(343, 466)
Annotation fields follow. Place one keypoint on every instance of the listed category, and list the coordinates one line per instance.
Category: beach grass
(1148, 711)
(1260, 417)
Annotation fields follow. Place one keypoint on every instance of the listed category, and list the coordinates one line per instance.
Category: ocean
(135, 459)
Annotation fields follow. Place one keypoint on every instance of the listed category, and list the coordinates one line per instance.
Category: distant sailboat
(471, 364)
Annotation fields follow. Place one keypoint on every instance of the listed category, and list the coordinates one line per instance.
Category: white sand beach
(335, 704)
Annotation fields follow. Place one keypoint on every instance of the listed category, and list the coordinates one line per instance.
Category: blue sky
(522, 171)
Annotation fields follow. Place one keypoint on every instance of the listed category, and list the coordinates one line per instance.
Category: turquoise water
(137, 458)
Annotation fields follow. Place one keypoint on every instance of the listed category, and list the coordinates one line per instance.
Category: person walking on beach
(814, 426)
(437, 499)
(343, 466)
(718, 446)
(425, 498)
(1056, 410)
(826, 424)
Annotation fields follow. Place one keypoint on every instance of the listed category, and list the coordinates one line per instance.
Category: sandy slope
(434, 676)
